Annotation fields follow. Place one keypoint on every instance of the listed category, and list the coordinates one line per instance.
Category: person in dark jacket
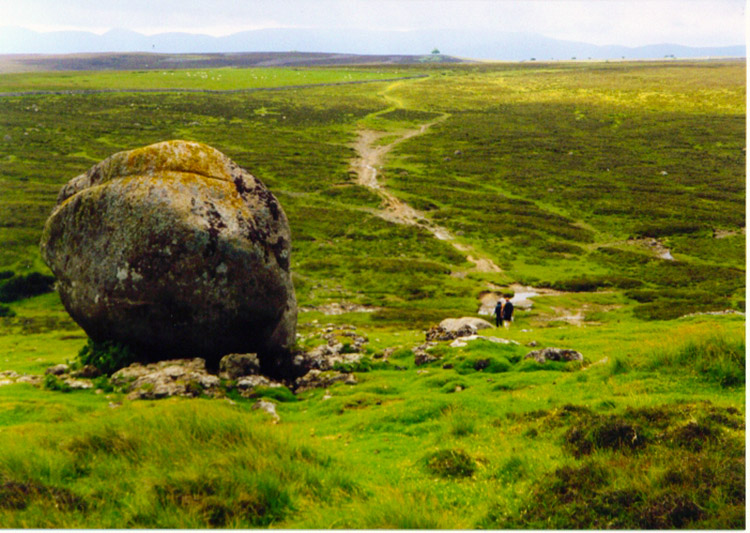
(507, 312)
(499, 313)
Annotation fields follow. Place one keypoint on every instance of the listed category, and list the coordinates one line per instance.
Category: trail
(370, 157)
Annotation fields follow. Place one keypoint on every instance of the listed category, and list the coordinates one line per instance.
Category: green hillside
(614, 191)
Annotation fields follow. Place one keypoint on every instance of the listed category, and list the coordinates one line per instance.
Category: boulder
(175, 251)
(554, 354)
(236, 365)
(455, 324)
(439, 333)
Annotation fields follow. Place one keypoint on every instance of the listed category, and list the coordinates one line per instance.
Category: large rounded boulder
(175, 251)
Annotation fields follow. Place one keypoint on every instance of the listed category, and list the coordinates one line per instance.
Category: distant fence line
(211, 91)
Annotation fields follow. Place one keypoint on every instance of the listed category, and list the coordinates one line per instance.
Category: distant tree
(435, 51)
(533, 59)
(573, 58)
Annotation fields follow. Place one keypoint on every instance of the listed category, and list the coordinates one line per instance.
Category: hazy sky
(626, 22)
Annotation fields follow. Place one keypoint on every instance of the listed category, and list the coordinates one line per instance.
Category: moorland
(613, 191)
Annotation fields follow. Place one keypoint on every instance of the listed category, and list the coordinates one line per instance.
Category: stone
(333, 351)
(78, 384)
(455, 324)
(236, 365)
(31, 379)
(247, 385)
(421, 356)
(58, 370)
(174, 250)
(87, 372)
(321, 379)
(439, 333)
(268, 407)
(554, 354)
(180, 377)
(464, 341)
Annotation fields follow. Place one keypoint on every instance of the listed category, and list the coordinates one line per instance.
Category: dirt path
(370, 157)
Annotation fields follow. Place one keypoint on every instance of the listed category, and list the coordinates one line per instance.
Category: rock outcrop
(439, 333)
(554, 354)
(180, 377)
(175, 251)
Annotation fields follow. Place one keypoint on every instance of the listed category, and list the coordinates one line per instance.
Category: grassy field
(568, 176)
(223, 79)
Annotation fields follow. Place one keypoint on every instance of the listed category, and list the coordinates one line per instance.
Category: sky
(602, 22)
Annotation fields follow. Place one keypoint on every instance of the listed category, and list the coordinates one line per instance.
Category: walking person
(499, 313)
(507, 312)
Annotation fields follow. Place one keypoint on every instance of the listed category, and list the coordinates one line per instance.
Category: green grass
(215, 79)
(551, 170)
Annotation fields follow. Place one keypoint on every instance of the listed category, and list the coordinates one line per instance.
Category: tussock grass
(176, 464)
(719, 358)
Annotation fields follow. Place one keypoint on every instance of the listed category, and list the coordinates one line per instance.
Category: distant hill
(150, 61)
(477, 44)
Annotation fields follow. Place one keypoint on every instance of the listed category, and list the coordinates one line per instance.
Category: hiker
(499, 313)
(507, 310)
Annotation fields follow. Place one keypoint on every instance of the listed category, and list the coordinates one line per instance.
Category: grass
(554, 171)
(223, 79)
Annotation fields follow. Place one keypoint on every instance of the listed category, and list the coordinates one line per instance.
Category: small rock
(438, 333)
(532, 344)
(58, 370)
(421, 356)
(78, 384)
(316, 379)
(268, 407)
(236, 365)
(31, 379)
(87, 372)
(554, 354)
(463, 341)
(247, 385)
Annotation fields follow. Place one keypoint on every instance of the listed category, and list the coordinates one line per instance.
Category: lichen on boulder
(175, 251)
